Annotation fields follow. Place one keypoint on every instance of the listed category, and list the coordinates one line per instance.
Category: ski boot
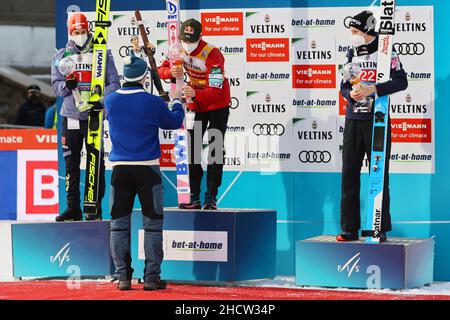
(347, 236)
(194, 204)
(155, 285)
(95, 217)
(210, 203)
(72, 213)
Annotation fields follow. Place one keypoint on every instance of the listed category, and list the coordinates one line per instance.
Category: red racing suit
(205, 68)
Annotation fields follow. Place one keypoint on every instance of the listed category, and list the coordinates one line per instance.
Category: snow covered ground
(436, 288)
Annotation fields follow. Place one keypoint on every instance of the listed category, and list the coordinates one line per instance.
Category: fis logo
(62, 255)
(91, 178)
(351, 265)
(99, 68)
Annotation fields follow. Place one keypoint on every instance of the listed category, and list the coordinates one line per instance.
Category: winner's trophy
(352, 74)
(67, 66)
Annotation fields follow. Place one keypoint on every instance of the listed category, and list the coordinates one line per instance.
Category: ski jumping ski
(180, 136)
(380, 123)
(95, 121)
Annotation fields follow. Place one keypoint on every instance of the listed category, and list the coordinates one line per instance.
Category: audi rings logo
(410, 49)
(124, 51)
(308, 156)
(234, 103)
(268, 129)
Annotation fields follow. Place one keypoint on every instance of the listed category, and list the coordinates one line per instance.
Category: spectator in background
(32, 112)
(51, 117)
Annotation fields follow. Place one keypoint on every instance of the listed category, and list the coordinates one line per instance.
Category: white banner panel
(191, 245)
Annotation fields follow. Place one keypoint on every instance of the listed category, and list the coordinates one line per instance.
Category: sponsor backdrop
(284, 61)
(29, 174)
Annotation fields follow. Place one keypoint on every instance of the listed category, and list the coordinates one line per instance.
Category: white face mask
(189, 47)
(357, 40)
(79, 40)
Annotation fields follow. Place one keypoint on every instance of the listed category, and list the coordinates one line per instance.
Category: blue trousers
(126, 183)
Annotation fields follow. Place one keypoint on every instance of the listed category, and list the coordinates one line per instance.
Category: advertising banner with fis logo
(191, 245)
(70, 249)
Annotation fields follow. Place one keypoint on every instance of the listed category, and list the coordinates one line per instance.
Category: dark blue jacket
(135, 117)
(367, 57)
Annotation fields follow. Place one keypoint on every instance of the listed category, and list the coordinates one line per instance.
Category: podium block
(223, 245)
(396, 264)
(64, 249)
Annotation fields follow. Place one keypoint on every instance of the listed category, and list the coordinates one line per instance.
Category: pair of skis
(94, 144)
(380, 123)
(94, 140)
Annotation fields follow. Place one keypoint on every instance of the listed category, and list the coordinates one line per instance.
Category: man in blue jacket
(135, 117)
(71, 72)
(359, 122)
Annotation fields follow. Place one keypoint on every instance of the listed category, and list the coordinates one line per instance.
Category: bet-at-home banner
(284, 67)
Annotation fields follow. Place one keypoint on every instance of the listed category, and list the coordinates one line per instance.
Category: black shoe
(347, 236)
(210, 203)
(155, 285)
(71, 214)
(383, 237)
(93, 217)
(194, 204)
(124, 285)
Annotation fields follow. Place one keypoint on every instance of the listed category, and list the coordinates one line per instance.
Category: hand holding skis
(176, 94)
(189, 92)
(177, 71)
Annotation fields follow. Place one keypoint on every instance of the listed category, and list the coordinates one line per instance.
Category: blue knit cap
(134, 69)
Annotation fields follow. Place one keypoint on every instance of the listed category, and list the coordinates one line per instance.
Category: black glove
(71, 82)
(97, 106)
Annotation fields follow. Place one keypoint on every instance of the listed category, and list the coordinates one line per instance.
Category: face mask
(189, 47)
(79, 40)
(357, 40)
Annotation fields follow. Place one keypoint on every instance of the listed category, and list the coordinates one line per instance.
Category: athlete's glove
(96, 106)
(71, 82)
(83, 106)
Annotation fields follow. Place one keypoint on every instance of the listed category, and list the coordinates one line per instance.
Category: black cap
(190, 30)
(365, 22)
(34, 88)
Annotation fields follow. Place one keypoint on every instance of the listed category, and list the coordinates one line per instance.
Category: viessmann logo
(223, 23)
(268, 49)
(314, 76)
(411, 130)
(62, 255)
